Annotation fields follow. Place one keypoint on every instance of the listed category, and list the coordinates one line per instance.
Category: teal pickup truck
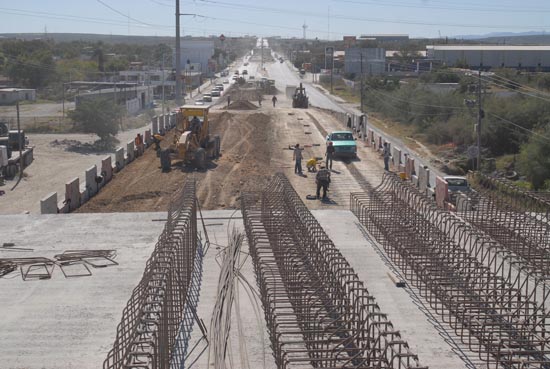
(344, 143)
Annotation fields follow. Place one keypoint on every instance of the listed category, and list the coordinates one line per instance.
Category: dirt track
(244, 165)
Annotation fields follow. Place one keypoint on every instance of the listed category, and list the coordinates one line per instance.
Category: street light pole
(362, 87)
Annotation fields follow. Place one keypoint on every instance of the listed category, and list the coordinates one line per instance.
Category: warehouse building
(492, 56)
(370, 61)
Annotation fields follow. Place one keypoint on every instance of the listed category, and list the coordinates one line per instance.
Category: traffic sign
(472, 152)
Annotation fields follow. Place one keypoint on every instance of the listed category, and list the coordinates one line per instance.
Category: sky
(325, 19)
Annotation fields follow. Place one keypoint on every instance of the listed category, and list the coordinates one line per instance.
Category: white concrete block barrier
(72, 194)
(130, 147)
(92, 181)
(119, 159)
(106, 170)
(147, 138)
(48, 205)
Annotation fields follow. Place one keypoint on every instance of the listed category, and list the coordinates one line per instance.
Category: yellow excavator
(192, 141)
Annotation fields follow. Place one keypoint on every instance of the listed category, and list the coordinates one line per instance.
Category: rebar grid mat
(319, 314)
(151, 321)
(517, 219)
(495, 305)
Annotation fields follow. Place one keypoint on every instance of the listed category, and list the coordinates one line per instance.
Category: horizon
(325, 19)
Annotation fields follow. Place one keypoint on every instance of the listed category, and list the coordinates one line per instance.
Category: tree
(29, 63)
(534, 160)
(99, 116)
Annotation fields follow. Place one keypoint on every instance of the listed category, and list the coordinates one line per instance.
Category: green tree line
(513, 124)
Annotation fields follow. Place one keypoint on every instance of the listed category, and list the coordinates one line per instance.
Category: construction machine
(300, 99)
(193, 143)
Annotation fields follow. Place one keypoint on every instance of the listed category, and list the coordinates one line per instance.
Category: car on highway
(225, 81)
(235, 77)
(219, 86)
(207, 98)
(245, 72)
(199, 102)
(344, 143)
(215, 93)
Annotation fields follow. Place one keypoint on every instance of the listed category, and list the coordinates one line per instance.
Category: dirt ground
(255, 144)
(243, 166)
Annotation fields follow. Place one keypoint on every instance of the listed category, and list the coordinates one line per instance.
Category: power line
(521, 127)
(446, 7)
(124, 15)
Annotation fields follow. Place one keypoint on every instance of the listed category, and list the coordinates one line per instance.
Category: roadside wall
(77, 193)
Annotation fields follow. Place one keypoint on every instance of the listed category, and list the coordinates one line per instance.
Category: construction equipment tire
(200, 158)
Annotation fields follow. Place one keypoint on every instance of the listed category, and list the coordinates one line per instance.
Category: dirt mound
(242, 105)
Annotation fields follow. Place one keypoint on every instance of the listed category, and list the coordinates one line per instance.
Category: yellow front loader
(193, 143)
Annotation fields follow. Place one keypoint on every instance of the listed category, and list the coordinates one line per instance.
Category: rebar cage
(493, 300)
(152, 333)
(319, 314)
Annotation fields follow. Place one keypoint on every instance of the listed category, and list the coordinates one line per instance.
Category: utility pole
(479, 118)
(178, 56)
(163, 83)
(362, 87)
(332, 68)
(262, 48)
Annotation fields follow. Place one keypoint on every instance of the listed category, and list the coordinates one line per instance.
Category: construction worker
(387, 155)
(228, 100)
(322, 179)
(260, 100)
(329, 154)
(195, 125)
(156, 141)
(297, 156)
(274, 100)
(311, 165)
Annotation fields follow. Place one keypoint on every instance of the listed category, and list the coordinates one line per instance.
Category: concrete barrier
(396, 157)
(370, 137)
(130, 155)
(106, 170)
(409, 166)
(119, 159)
(441, 191)
(48, 205)
(414, 180)
(72, 194)
(147, 138)
(423, 178)
(91, 184)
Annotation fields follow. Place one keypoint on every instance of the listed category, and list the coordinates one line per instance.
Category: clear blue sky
(324, 18)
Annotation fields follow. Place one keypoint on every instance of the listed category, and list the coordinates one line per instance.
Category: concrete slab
(71, 323)
(252, 330)
(64, 323)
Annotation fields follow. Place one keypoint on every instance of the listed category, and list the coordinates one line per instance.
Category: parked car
(245, 71)
(457, 185)
(215, 93)
(344, 143)
(207, 98)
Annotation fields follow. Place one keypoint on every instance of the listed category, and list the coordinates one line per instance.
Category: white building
(373, 59)
(9, 96)
(197, 54)
(492, 56)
